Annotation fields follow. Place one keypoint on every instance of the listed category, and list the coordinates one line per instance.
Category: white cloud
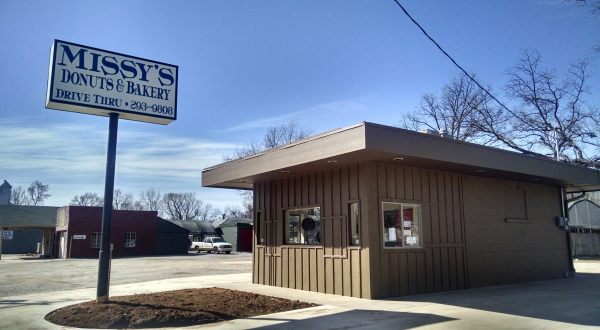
(351, 105)
(73, 158)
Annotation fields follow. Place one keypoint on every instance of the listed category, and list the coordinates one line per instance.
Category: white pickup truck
(212, 245)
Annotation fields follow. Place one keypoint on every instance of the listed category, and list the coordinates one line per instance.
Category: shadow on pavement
(359, 318)
(575, 300)
(12, 303)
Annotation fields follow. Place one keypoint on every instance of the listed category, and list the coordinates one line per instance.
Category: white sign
(79, 236)
(95, 81)
(7, 234)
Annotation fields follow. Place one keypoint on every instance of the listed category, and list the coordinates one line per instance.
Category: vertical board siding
(332, 267)
(501, 252)
(368, 270)
(437, 266)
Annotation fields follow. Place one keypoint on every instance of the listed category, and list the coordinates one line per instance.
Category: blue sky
(247, 65)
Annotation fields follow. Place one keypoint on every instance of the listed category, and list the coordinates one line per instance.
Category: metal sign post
(99, 82)
(109, 183)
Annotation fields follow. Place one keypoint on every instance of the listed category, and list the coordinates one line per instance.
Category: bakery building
(374, 211)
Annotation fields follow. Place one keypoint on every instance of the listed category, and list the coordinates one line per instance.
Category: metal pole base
(102, 300)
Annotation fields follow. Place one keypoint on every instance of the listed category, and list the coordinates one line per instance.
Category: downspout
(563, 204)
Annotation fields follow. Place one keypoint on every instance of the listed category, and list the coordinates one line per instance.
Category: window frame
(349, 225)
(126, 240)
(402, 204)
(286, 225)
(92, 240)
(260, 228)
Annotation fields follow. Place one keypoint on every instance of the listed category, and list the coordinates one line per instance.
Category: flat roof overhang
(373, 142)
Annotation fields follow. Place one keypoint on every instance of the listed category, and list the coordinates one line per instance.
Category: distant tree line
(172, 206)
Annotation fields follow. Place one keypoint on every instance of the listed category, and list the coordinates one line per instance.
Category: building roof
(195, 226)
(374, 142)
(17, 216)
(166, 226)
(584, 214)
(232, 222)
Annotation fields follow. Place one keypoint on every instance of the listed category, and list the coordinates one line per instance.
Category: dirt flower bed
(171, 309)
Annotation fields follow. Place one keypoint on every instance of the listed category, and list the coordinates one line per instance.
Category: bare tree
(593, 5)
(150, 200)
(122, 201)
(249, 149)
(275, 136)
(185, 206)
(454, 112)
(19, 197)
(284, 133)
(208, 213)
(37, 192)
(552, 118)
(87, 199)
(234, 211)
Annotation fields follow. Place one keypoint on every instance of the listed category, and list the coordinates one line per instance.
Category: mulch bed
(171, 309)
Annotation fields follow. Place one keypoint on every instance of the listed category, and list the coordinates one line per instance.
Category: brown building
(374, 211)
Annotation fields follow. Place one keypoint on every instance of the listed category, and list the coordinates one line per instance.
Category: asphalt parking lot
(26, 276)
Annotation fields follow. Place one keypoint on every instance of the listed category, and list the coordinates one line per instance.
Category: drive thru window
(303, 226)
(401, 225)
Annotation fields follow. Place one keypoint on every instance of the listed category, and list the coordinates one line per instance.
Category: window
(260, 228)
(354, 217)
(303, 226)
(401, 224)
(129, 239)
(95, 240)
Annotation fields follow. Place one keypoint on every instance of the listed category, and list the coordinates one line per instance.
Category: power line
(450, 57)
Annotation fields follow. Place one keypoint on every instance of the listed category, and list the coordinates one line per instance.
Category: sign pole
(109, 183)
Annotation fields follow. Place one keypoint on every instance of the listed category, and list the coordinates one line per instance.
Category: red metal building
(133, 233)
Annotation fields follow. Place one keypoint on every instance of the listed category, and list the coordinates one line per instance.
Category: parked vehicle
(212, 245)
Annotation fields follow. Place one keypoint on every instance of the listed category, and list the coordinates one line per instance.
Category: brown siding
(439, 264)
(528, 246)
(333, 267)
(457, 212)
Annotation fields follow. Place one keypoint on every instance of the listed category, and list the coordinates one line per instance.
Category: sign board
(99, 82)
(7, 234)
(79, 236)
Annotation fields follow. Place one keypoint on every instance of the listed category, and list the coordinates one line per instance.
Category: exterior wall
(24, 241)
(240, 236)
(474, 231)
(439, 265)
(511, 232)
(81, 220)
(332, 267)
(170, 238)
(230, 234)
(244, 238)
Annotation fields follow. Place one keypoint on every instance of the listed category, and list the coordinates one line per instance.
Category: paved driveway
(20, 277)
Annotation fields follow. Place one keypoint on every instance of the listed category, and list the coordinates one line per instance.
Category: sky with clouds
(248, 65)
